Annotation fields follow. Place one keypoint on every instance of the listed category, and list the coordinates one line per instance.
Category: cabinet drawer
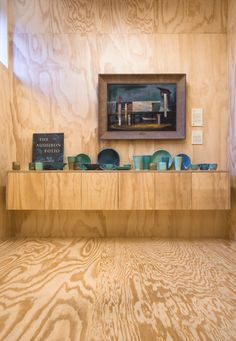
(136, 191)
(100, 191)
(63, 191)
(173, 191)
(210, 191)
(25, 191)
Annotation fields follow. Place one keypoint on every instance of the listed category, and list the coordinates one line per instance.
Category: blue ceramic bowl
(204, 166)
(213, 166)
(186, 162)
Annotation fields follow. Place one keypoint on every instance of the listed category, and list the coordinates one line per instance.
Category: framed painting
(142, 106)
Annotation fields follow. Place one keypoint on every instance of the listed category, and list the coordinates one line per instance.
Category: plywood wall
(6, 132)
(60, 47)
(232, 102)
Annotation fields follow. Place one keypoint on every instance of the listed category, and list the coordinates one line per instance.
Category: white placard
(197, 117)
(197, 137)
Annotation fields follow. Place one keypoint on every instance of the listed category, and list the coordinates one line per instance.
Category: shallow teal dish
(204, 166)
(159, 155)
(186, 161)
(83, 159)
(213, 166)
(53, 165)
(194, 166)
(124, 167)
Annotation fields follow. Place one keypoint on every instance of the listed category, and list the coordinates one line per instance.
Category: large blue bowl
(186, 161)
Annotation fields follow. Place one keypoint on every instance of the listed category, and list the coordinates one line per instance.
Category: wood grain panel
(100, 191)
(54, 285)
(62, 191)
(232, 126)
(123, 289)
(6, 149)
(232, 218)
(106, 16)
(7, 143)
(231, 18)
(210, 191)
(25, 191)
(187, 16)
(139, 223)
(173, 191)
(136, 191)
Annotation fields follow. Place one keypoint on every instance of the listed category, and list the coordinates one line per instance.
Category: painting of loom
(141, 107)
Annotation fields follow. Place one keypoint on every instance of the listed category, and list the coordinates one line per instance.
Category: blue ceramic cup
(138, 162)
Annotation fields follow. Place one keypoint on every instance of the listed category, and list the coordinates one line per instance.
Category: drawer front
(25, 191)
(100, 191)
(210, 191)
(173, 191)
(136, 191)
(63, 191)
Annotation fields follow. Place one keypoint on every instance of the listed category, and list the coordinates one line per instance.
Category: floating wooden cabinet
(173, 191)
(62, 191)
(100, 191)
(210, 191)
(110, 190)
(136, 191)
(25, 191)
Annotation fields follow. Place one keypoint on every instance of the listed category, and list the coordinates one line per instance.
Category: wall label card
(197, 137)
(48, 147)
(197, 117)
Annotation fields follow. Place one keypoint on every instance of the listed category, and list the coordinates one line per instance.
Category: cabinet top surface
(119, 171)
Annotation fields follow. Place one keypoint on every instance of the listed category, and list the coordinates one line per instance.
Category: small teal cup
(38, 165)
(138, 162)
(147, 159)
(178, 162)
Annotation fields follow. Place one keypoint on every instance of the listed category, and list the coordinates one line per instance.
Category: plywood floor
(117, 289)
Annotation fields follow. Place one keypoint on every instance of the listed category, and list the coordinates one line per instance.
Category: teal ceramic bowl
(204, 166)
(160, 156)
(213, 166)
(108, 166)
(83, 159)
(194, 166)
